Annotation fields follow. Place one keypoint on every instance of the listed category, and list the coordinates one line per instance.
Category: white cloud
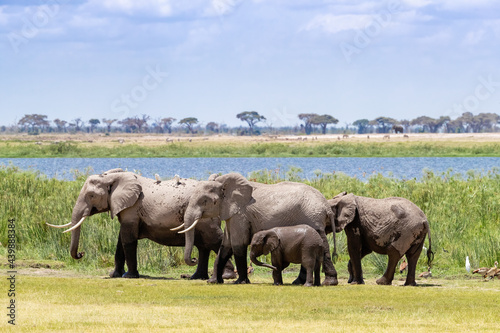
(336, 23)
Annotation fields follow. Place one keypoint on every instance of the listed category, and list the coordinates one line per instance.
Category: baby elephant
(299, 244)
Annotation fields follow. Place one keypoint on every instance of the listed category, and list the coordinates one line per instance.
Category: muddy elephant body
(392, 226)
(249, 207)
(145, 209)
(297, 244)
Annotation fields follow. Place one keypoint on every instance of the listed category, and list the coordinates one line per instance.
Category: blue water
(201, 168)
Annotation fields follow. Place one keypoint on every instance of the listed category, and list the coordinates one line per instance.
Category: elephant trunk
(190, 218)
(80, 211)
(253, 258)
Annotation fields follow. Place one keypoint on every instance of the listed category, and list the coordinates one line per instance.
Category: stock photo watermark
(483, 91)
(364, 37)
(137, 94)
(11, 273)
(32, 23)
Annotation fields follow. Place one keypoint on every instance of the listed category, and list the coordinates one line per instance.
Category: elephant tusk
(191, 227)
(58, 226)
(177, 228)
(76, 225)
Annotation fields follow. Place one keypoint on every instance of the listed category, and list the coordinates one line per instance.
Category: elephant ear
(213, 177)
(346, 211)
(271, 242)
(124, 191)
(236, 193)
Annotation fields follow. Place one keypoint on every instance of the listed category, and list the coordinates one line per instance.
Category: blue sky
(213, 59)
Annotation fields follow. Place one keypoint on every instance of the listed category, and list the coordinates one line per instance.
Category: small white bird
(467, 264)
(158, 179)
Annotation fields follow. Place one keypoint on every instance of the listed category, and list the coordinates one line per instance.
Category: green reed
(463, 211)
(230, 148)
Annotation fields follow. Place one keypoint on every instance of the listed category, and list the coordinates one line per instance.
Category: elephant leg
(227, 274)
(202, 268)
(240, 257)
(130, 249)
(301, 279)
(329, 269)
(364, 251)
(317, 271)
(119, 260)
(354, 265)
(388, 276)
(277, 276)
(412, 256)
(225, 253)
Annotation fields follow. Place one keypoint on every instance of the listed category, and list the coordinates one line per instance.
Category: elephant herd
(289, 220)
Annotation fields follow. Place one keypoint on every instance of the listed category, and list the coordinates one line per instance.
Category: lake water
(201, 168)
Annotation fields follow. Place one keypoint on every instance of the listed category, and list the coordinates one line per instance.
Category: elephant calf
(299, 244)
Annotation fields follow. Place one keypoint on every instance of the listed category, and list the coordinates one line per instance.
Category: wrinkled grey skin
(392, 226)
(145, 209)
(249, 207)
(299, 244)
(397, 129)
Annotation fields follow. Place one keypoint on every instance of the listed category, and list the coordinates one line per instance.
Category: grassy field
(55, 292)
(215, 146)
(155, 303)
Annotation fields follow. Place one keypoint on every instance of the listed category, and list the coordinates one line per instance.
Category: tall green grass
(463, 211)
(13, 149)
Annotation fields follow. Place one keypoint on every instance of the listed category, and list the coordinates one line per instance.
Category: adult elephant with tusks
(146, 208)
(249, 207)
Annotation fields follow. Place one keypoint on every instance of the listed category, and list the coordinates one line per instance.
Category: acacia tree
(213, 127)
(189, 123)
(93, 123)
(166, 123)
(384, 123)
(323, 121)
(61, 124)
(362, 125)
(251, 117)
(307, 118)
(34, 120)
(108, 123)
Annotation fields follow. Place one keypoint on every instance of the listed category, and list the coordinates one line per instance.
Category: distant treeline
(312, 123)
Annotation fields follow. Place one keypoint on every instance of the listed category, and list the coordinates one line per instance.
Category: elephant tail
(430, 254)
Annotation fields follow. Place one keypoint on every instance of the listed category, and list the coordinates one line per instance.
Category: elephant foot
(308, 284)
(117, 273)
(330, 281)
(242, 281)
(298, 281)
(410, 283)
(350, 279)
(353, 282)
(131, 275)
(384, 282)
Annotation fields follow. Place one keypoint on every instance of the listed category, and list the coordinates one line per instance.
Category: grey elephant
(249, 207)
(145, 209)
(397, 129)
(299, 244)
(393, 226)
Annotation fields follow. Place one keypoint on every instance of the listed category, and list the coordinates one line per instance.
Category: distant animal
(338, 138)
(403, 266)
(492, 271)
(345, 136)
(467, 264)
(425, 275)
(405, 136)
(397, 129)
(387, 136)
(481, 271)
(250, 269)
(367, 136)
